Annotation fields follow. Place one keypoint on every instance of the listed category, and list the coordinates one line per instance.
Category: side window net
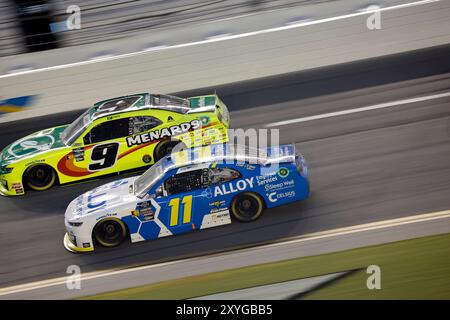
(110, 130)
(186, 181)
(142, 124)
(222, 175)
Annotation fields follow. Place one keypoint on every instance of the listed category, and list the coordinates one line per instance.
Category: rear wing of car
(210, 103)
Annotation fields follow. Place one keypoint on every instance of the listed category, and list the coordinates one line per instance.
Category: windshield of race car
(147, 180)
(72, 132)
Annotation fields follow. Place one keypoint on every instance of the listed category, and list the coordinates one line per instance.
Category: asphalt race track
(366, 166)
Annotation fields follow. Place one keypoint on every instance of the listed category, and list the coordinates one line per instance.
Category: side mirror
(159, 192)
(87, 139)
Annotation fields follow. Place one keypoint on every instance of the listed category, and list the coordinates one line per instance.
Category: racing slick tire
(40, 177)
(165, 147)
(247, 207)
(110, 232)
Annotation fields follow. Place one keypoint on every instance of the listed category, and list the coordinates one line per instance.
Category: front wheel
(110, 232)
(247, 206)
(40, 177)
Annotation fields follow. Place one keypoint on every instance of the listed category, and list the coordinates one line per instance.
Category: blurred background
(35, 25)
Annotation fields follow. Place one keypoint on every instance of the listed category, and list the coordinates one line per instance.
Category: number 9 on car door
(104, 143)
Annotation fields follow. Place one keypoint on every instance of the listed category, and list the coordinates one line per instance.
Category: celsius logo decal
(163, 133)
(272, 197)
(283, 172)
(232, 187)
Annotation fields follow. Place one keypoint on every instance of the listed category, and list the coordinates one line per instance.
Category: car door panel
(178, 212)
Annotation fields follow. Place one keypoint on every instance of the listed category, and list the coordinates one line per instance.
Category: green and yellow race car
(114, 135)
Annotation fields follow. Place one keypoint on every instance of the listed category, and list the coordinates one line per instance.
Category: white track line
(362, 109)
(230, 37)
(365, 227)
(307, 237)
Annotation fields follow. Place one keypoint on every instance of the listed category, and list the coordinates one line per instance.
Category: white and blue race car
(187, 190)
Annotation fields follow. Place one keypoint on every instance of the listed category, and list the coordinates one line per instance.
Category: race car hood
(108, 198)
(32, 145)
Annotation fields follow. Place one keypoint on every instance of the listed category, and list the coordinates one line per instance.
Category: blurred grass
(411, 269)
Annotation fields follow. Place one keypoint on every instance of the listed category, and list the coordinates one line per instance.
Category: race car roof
(233, 152)
(137, 102)
(209, 154)
(151, 101)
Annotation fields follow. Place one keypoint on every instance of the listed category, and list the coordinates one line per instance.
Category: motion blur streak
(369, 108)
(225, 38)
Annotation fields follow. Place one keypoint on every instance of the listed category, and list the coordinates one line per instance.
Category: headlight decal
(75, 224)
(5, 170)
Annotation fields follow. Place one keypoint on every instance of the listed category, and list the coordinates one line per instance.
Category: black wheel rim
(109, 233)
(247, 207)
(40, 177)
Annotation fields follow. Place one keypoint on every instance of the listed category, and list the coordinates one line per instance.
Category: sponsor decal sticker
(145, 209)
(207, 193)
(17, 187)
(280, 186)
(274, 196)
(78, 154)
(163, 133)
(106, 216)
(147, 158)
(34, 162)
(205, 120)
(217, 214)
(217, 203)
(233, 187)
(31, 145)
(263, 180)
(283, 172)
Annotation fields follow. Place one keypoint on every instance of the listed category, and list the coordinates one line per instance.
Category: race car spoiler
(209, 103)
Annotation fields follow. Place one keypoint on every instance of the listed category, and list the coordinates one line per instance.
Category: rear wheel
(164, 148)
(40, 177)
(110, 232)
(247, 206)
